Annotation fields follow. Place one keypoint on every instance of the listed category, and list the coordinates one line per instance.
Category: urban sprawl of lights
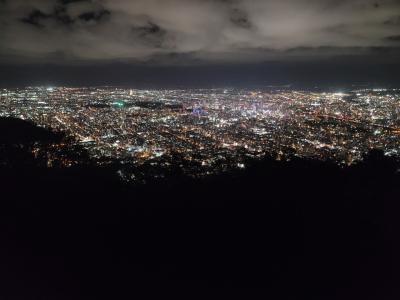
(206, 131)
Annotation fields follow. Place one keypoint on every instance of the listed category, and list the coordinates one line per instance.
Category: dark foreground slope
(287, 230)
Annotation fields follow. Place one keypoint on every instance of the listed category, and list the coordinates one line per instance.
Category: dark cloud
(150, 34)
(35, 18)
(393, 21)
(195, 31)
(240, 18)
(92, 16)
(395, 38)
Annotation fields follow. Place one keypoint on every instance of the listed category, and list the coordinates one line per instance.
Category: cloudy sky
(198, 32)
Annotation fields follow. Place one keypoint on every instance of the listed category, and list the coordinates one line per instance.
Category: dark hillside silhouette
(16, 131)
(287, 230)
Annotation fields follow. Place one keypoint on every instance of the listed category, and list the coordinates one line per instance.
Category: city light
(213, 130)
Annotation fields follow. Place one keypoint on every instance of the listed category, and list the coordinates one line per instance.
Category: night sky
(199, 42)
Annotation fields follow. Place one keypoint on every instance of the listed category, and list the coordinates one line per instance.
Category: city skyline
(208, 131)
